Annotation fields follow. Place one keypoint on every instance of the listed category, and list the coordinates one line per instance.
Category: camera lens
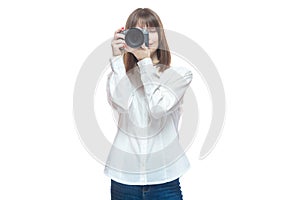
(134, 38)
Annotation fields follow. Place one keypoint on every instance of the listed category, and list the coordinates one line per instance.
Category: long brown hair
(147, 17)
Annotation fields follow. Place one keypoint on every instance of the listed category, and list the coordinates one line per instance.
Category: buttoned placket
(143, 158)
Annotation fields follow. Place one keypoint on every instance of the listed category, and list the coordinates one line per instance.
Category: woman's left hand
(139, 53)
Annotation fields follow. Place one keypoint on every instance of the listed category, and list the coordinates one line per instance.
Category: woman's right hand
(118, 42)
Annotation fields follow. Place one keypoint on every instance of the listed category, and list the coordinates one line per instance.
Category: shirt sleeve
(119, 88)
(163, 93)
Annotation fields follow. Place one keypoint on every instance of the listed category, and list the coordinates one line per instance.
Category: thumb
(144, 46)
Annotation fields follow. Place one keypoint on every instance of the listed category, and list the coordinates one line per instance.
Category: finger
(119, 36)
(118, 33)
(144, 47)
(119, 46)
(118, 41)
(119, 30)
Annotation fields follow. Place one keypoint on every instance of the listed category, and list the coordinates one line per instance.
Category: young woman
(146, 160)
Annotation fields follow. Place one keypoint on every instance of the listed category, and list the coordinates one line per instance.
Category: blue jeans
(165, 191)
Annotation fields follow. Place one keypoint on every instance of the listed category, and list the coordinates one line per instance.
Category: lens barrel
(134, 37)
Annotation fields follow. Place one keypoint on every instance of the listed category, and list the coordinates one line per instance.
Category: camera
(135, 37)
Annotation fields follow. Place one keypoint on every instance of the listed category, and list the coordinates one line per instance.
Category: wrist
(142, 58)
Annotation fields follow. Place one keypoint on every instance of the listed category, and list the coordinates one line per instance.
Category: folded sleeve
(118, 87)
(163, 93)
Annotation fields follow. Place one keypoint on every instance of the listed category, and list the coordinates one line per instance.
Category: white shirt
(146, 148)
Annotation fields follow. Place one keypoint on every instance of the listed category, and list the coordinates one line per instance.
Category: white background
(254, 44)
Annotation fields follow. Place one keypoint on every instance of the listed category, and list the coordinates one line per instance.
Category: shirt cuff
(145, 65)
(117, 64)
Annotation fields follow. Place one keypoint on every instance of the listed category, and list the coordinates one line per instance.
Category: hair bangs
(147, 20)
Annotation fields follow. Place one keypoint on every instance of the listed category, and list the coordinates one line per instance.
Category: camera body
(136, 37)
